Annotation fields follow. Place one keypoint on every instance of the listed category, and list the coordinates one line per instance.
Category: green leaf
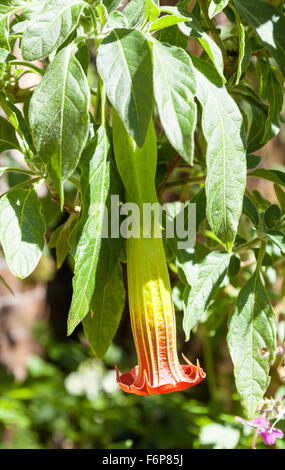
(226, 159)
(16, 119)
(187, 260)
(5, 56)
(251, 330)
(244, 53)
(190, 26)
(269, 24)
(276, 176)
(257, 129)
(252, 161)
(172, 35)
(151, 10)
(216, 6)
(22, 230)
(234, 266)
(5, 13)
(112, 5)
(211, 272)
(95, 256)
(166, 21)
(277, 237)
(272, 215)
(201, 203)
(250, 210)
(174, 91)
(124, 63)
(271, 91)
(280, 196)
(59, 118)
(116, 20)
(101, 323)
(62, 242)
(49, 29)
(8, 139)
(134, 11)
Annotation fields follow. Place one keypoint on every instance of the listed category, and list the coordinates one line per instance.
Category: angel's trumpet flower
(150, 303)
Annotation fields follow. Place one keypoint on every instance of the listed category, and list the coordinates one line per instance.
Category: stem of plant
(184, 181)
(171, 167)
(29, 65)
(209, 363)
(253, 242)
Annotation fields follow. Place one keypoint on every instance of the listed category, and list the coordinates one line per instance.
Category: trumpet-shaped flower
(150, 303)
(153, 325)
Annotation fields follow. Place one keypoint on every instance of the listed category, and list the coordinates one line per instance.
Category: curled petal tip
(189, 363)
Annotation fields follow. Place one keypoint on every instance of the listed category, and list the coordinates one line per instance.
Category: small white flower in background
(109, 382)
(90, 379)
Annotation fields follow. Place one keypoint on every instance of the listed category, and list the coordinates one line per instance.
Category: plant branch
(171, 167)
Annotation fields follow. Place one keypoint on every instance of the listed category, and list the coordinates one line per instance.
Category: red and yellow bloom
(153, 325)
(150, 302)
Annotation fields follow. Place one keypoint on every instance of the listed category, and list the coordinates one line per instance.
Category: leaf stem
(209, 363)
(22, 185)
(171, 167)
(184, 182)
(29, 65)
(247, 244)
(261, 255)
(103, 101)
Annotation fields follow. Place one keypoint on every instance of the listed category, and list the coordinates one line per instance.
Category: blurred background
(55, 394)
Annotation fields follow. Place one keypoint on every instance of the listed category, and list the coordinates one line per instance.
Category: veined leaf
(211, 272)
(5, 13)
(244, 53)
(251, 329)
(95, 256)
(271, 91)
(124, 63)
(134, 11)
(226, 157)
(172, 35)
(190, 26)
(5, 56)
(174, 90)
(101, 323)
(269, 24)
(277, 237)
(112, 5)
(175, 17)
(62, 242)
(16, 119)
(257, 128)
(250, 210)
(188, 260)
(49, 29)
(216, 6)
(8, 139)
(22, 230)
(281, 197)
(58, 115)
(151, 11)
(276, 176)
